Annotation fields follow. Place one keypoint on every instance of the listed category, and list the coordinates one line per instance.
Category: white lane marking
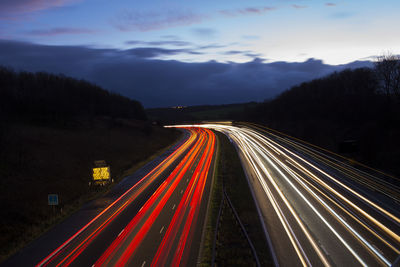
(121, 232)
(187, 180)
(162, 228)
(181, 191)
(144, 263)
(173, 207)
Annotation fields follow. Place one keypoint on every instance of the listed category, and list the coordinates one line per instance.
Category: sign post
(52, 200)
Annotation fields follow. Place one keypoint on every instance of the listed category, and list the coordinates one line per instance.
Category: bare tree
(387, 68)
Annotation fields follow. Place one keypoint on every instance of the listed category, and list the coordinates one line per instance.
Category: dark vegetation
(48, 98)
(353, 112)
(199, 113)
(232, 248)
(52, 129)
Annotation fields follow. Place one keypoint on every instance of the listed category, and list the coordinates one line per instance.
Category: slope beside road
(157, 219)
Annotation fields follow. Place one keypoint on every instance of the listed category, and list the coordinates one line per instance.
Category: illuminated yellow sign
(102, 173)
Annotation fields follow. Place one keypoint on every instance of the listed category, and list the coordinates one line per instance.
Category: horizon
(130, 73)
(201, 53)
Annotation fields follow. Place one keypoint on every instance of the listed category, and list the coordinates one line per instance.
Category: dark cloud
(166, 82)
(61, 31)
(246, 53)
(133, 20)
(152, 52)
(253, 55)
(211, 46)
(233, 52)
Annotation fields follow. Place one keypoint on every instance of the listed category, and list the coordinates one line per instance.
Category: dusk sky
(221, 32)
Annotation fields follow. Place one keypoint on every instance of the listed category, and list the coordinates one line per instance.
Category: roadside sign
(101, 173)
(52, 199)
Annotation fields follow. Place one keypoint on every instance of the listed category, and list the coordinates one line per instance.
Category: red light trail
(195, 157)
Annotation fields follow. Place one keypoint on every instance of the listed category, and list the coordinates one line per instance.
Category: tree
(387, 68)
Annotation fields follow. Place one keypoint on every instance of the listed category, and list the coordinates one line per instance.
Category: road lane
(145, 214)
(316, 209)
(164, 237)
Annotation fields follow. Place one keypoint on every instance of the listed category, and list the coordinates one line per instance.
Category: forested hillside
(44, 97)
(360, 106)
(52, 129)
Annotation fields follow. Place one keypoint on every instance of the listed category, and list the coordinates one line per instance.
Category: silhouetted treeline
(193, 114)
(352, 106)
(47, 97)
(350, 96)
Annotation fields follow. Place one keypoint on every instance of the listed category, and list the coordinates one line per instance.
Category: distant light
(179, 107)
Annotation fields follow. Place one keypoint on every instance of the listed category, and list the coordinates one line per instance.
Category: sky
(214, 45)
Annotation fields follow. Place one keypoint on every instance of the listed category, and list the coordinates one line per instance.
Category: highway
(316, 208)
(158, 221)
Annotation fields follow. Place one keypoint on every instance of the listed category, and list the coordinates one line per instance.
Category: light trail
(268, 155)
(156, 203)
(112, 211)
(303, 190)
(124, 247)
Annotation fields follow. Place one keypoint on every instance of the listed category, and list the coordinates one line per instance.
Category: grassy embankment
(232, 248)
(38, 160)
(52, 128)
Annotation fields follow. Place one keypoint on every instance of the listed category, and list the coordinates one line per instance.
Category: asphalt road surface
(318, 209)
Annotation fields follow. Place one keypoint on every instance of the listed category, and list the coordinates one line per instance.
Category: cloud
(136, 74)
(152, 52)
(233, 52)
(330, 4)
(246, 11)
(211, 46)
(61, 31)
(136, 20)
(190, 47)
(131, 20)
(159, 43)
(253, 55)
(299, 7)
(12, 9)
(204, 32)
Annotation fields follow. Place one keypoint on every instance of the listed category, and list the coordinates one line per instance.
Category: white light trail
(259, 151)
